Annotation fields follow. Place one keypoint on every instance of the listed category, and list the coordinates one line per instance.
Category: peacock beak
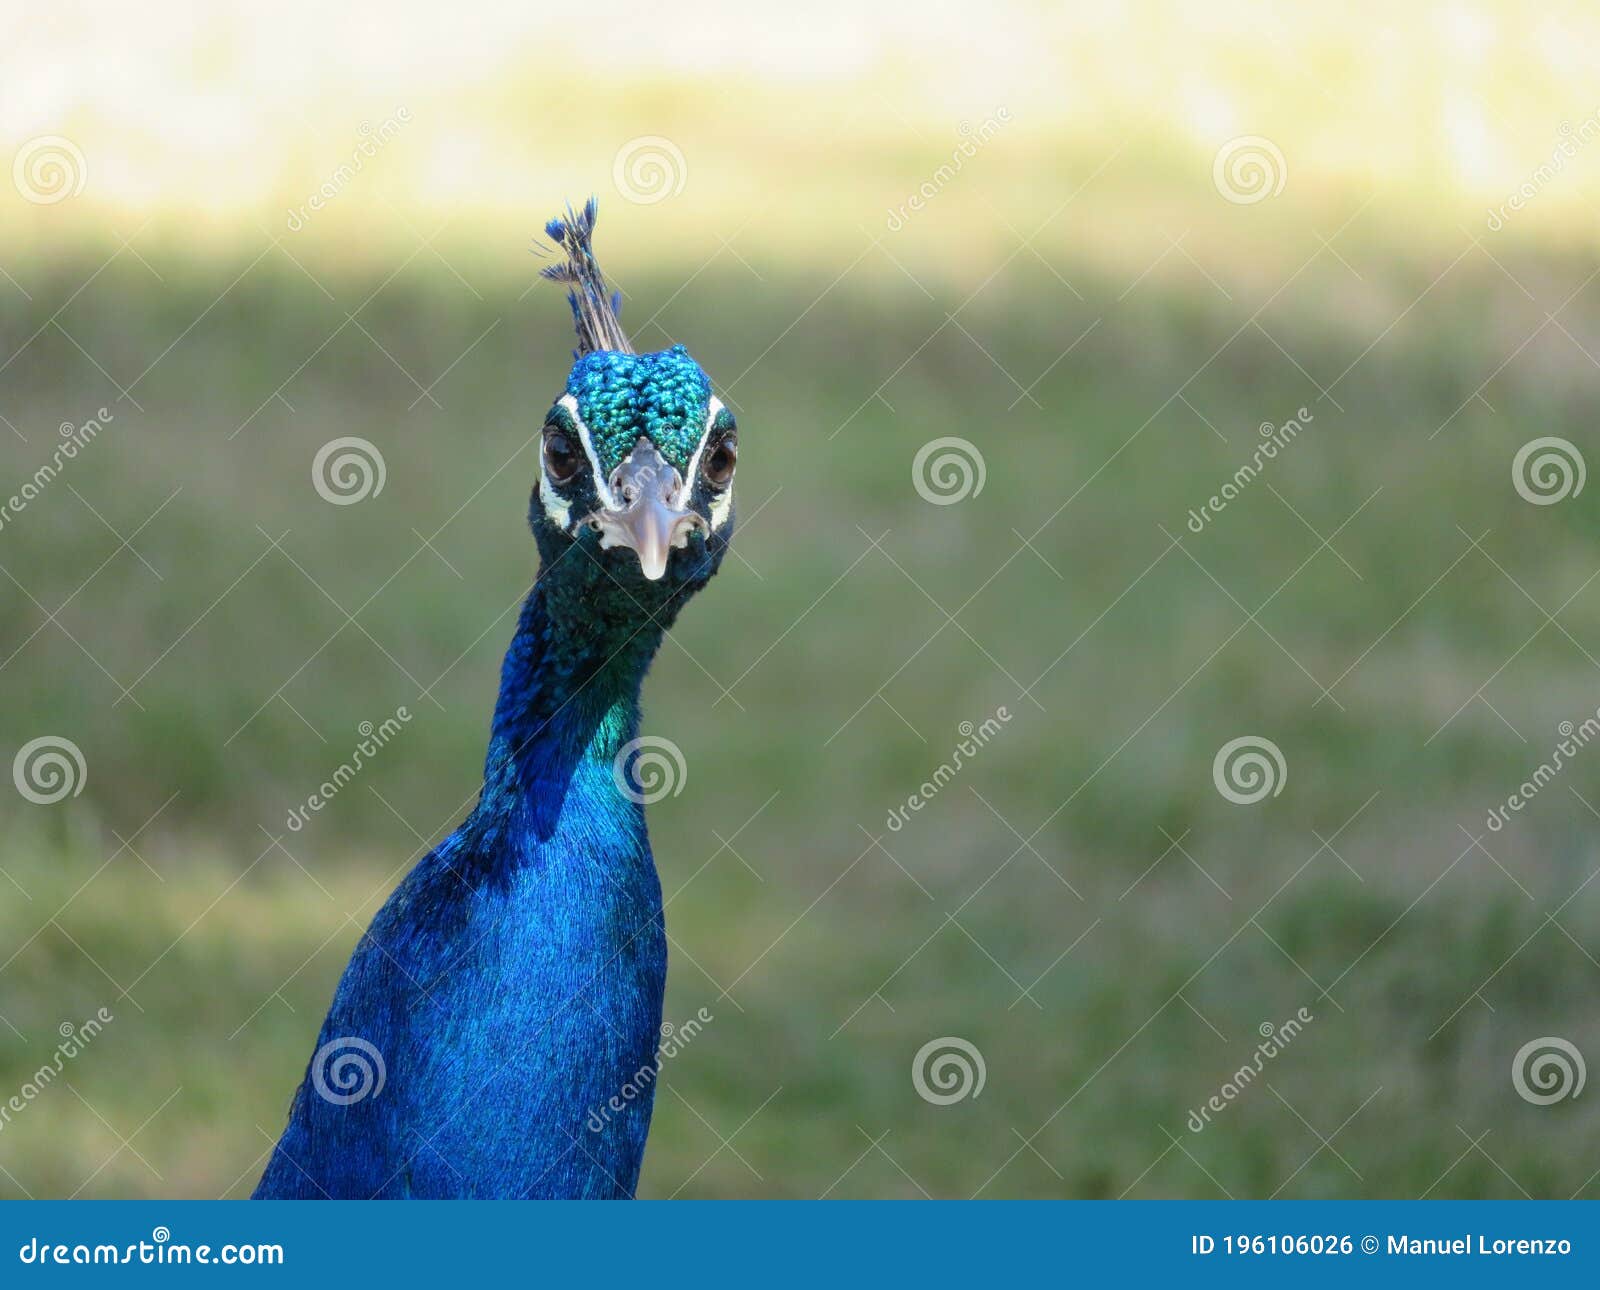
(648, 515)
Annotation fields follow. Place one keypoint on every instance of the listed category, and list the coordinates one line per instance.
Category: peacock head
(637, 456)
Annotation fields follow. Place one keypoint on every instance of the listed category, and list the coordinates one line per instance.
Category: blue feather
(511, 987)
(595, 308)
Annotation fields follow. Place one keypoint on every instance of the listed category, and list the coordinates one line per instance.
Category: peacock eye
(718, 469)
(561, 456)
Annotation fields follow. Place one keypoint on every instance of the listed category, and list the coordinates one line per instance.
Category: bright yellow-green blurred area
(795, 125)
(246, 229)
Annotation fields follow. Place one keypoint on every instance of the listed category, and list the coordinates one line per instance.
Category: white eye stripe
(722, 502)
(557, 507)
(570, 403)
(712, 408)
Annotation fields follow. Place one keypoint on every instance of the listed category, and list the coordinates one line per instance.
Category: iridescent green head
(664, 397)
(637, 456)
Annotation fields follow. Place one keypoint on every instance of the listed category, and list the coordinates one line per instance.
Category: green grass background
(823, 677)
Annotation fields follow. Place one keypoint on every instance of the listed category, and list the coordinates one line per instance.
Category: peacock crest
(596, 310)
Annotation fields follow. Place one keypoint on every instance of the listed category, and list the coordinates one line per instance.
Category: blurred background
(1097, 261)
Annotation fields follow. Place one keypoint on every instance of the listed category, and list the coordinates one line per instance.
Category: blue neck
(513, 982)
(568, 702)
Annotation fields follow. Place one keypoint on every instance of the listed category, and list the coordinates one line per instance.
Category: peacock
(512, 985)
